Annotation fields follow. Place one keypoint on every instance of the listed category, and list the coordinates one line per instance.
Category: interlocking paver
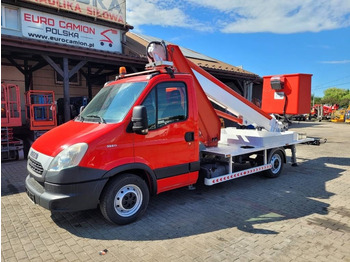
(304, 215)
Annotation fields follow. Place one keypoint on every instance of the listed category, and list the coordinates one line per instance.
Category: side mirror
(139, 120)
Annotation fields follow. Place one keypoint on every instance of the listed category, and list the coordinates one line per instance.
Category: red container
(289, 94)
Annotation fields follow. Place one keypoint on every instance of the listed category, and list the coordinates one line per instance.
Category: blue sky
(266, 37)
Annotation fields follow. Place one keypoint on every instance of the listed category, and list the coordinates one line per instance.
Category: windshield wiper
(79, 118)
(97, 116)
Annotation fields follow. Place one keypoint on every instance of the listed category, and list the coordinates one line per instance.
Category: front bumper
(65, 197)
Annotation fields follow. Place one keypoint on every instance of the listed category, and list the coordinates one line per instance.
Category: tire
(125, 199)
(276, 159)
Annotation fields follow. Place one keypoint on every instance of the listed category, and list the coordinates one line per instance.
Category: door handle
(189, 136)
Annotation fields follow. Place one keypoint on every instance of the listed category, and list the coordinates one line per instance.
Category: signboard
(51, 28)
(110, 10)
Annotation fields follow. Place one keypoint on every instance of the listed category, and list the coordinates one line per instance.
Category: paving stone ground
(304, 215)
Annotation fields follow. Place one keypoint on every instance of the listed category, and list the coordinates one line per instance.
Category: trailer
(11, 147)
(149, 132)
(41, 113)
(40, 116)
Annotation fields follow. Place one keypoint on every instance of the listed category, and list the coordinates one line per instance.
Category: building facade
(73, 47)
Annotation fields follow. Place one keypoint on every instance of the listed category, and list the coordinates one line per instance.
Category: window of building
(10, 18)
(74, 80)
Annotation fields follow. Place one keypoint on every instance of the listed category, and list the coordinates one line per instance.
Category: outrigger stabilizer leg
(294, 155)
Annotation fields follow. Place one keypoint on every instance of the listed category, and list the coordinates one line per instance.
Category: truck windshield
(112, 103)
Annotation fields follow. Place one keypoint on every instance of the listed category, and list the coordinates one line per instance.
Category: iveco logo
(34, 155)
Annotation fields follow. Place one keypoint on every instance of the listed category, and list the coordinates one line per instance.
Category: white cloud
(243, 16)
(280, 16)
(163, 13)
(336, 62)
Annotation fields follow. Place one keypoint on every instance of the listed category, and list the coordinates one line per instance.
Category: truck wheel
(276, 160)
(125, 199)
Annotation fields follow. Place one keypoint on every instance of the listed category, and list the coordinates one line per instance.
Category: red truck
(320, 112)
(150, 132)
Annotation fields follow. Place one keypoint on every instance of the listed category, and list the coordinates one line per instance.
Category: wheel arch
(139, 169)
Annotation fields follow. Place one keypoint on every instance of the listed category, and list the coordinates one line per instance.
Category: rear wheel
(125, 199)
(276, 159)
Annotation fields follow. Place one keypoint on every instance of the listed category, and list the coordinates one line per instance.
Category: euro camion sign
(110, 10)
(60, 30)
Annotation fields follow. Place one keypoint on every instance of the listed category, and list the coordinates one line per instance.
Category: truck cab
(138, 137)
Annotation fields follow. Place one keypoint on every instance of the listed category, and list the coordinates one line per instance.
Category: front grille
(35, 166)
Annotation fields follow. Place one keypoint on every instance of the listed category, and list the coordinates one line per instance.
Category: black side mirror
(139, 120)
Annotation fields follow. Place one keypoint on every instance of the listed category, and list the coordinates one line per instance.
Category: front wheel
(276, 159)
(125, 199)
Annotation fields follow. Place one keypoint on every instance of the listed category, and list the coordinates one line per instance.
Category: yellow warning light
(122, 70)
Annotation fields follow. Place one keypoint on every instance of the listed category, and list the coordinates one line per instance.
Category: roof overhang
(137, 44)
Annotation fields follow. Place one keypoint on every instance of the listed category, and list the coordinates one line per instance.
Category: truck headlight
(69, 157)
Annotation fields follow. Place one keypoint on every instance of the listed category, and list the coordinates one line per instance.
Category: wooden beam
(66, 96)
(53, 64)
(88, 82)
(13, 62)
(76, 68)
(38, 66)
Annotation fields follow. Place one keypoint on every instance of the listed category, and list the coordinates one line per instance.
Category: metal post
(248, 90)
(294, 155)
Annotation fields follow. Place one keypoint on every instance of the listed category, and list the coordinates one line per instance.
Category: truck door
(169, 147)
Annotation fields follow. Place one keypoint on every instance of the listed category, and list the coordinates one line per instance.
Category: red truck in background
(150, 132)
(320, 111)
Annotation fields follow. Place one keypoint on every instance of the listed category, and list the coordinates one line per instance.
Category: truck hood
(70, 133)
